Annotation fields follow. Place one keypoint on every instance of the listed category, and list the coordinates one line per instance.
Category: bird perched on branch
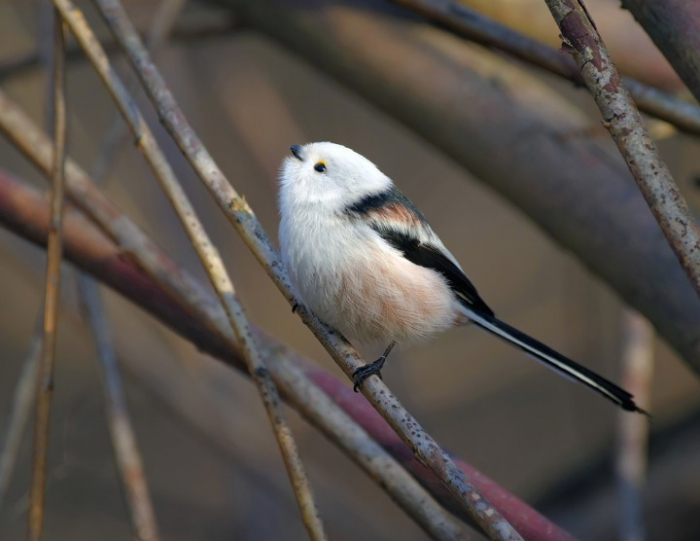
(364, 259)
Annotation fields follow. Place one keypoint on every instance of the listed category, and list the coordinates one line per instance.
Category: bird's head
(328, 174)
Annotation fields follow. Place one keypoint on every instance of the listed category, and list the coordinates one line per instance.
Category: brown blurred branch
(26, 213)
(211, 261)
(45, 379)
(510, 131)
(633, 434)
(625, 124)
(244, 221)
(199, 21)
(126, 451)
(484, 30)
(673, 26)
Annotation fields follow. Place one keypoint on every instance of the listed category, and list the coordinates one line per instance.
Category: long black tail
(555, 361)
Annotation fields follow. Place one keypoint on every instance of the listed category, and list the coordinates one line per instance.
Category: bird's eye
(320, 167)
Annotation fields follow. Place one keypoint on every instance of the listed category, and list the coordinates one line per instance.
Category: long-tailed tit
(363, 258)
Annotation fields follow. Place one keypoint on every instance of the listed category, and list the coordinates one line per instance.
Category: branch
(633, 434)
(201, 20)
(673, 26)
(45, 380)
(474, 26)
(244, 221)
(627, 128)
(24, 211)
(211, 261)
(511, 132)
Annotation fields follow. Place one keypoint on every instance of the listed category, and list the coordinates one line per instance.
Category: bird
(364, 259)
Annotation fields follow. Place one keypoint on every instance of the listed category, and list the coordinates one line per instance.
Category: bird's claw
(362, 373)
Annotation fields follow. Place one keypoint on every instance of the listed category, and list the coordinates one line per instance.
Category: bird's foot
(361, 374)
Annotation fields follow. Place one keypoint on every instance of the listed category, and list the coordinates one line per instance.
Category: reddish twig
(625, 124)
(474, 26)
(24, 211)
(52, 296)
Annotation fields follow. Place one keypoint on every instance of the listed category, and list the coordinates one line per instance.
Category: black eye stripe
(320, 167)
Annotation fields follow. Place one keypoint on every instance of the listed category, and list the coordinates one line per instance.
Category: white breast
(356, 283)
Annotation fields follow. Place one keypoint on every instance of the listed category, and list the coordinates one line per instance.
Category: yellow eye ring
(320, 167)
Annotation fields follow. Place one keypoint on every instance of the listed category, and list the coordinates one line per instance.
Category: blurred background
(249, 97)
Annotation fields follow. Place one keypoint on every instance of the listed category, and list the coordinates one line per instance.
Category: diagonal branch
(479, 28)
(45, 379)
(211, 261)
(243, 219)
(627, 128)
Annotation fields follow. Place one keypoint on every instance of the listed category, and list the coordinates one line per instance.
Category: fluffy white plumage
(343, 270)
(363, 258)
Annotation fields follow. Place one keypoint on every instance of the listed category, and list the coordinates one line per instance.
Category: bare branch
(52, 295)
(210, 259)
(627, 128)
(243, 219)
(25, 211)
(633, 434)
(673, 26)
(477, 27)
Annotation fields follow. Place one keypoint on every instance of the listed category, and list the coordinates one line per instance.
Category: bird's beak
(297, 151)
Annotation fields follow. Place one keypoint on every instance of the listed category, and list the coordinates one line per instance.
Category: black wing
(430, 256)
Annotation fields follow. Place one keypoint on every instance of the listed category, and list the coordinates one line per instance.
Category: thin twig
(626, 126)
(474, 26)
(20, 411)
(242, 217)
(126, 452)
(211, 261)
(116, 135)
(24, 211)
(51, 300)
(203, 20)
(633, 431)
